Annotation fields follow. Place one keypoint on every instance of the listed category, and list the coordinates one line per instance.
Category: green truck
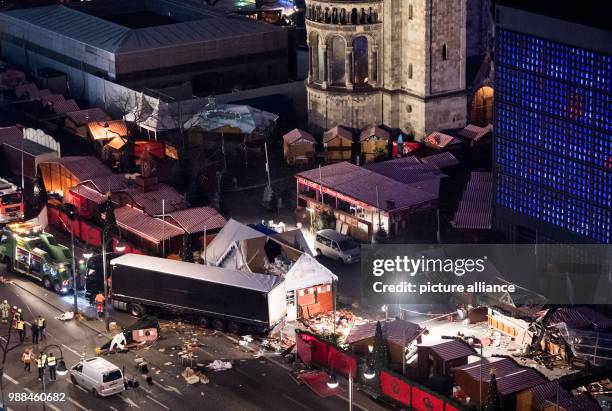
(25, 248)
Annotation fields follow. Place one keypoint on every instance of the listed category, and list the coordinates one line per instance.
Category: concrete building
(401, 63)
(553, 122)
(146, 44)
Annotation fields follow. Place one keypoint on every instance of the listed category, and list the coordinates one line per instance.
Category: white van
(98, 376)
(336, 246)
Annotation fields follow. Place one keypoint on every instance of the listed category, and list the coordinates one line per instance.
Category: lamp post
(332, 381)
(60, 369)
(71, 212)
(119, 247)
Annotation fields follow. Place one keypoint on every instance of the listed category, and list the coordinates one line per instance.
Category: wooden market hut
(338, 142)
(440, 357)
(62, 174)
(298, 146)
(76, 121)
(374, 143)
(103, 132)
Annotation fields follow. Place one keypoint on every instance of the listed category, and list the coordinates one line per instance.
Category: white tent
(231, 233)
(307, 272)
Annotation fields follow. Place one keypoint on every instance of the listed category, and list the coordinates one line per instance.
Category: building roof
(296, 135)
(307, 272)
(337, 131)
(140, 223)
(65, 106)
(449, 350)
(395, 331)
(159, 199)
(441, 160)
(474, 132)
(83, 117)
(374, 132)
(475, 209)
(581, 317)
(231, 232)
(89, 193)
(548, 391)
(29, 147)
(580, 402)
(10, 134)
(438, 140)
(232, 118)
(83, 167)
(107, 183)
(115, 38)
(252, 281)
(510, 376)
(198, 219)
(99, 130)
(361, 184)
(409, 170)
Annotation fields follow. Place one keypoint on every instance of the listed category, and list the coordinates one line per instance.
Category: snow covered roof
(232, 118)
(307, 272)
(252, 281)
(231, 232)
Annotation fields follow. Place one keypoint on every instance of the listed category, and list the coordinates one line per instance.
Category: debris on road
(219, 365)
(67, 316)
(192, 377)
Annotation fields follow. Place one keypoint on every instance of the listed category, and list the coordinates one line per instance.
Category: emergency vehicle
(25, 248)
(11, 202)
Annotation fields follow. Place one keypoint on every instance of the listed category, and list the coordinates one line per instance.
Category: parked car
(337, 246)
(98, 376)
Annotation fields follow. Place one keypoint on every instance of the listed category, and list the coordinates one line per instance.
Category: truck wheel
(57, 287)
(47, 283)
(218, 325)
(136, 310)
(205, 322)
(9, 264)
(233, 327)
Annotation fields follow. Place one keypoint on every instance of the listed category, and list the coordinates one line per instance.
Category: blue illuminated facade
(553, 137)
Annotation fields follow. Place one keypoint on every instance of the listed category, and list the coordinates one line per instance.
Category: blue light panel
(553, 122)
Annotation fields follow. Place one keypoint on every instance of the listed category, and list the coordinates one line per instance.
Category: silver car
(336, 246)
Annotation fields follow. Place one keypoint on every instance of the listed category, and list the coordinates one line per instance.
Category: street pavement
(253, 383)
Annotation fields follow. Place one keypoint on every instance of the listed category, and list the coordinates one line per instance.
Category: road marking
(128, 401)
(145, 390)
(11, 379)
(78, 386)
(113, 408)
(294, 401)
(78, 405)
(167, 388)
(71, 350)
(157, 402)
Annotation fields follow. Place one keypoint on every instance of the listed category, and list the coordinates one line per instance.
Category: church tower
(397, 62)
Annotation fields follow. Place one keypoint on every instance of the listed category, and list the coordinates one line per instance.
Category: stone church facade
(396, 62)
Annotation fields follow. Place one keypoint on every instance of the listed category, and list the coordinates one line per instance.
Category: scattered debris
(68, 315)
(219, 365)
(168, 363)
(192, 376)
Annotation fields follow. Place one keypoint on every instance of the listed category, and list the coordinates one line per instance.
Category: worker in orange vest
(100, 303)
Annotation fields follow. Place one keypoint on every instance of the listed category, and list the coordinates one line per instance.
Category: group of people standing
(37, 328)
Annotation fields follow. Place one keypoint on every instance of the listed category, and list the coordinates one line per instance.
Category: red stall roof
(360, 184)
(65, 106)
(152, 201)
(143, 225)
(296, 135)
(198, 219)
(83, 117)
(83, 167)
(450, 349)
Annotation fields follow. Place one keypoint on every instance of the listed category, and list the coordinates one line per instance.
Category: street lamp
(70, 210)
(88, 253)
(369, 372)
(332, 381)
(120, 247)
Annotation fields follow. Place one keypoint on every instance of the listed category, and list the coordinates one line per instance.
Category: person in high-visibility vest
(21, 329)
(51, 363)
(100, 303)
(41, 362)
(15, 315)
(5, 310)
(41, 327)
(27, 357)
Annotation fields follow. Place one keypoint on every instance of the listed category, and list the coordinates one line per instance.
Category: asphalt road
(252, 384)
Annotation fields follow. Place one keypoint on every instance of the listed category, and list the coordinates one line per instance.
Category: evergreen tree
(493, 399)
(110, 221)
(380, 352)
(187, 252)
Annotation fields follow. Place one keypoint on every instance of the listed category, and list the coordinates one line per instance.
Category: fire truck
(11, 202)
(26, 249)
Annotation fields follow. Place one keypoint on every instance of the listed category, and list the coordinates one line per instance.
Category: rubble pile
(323, 323)
(192, 376)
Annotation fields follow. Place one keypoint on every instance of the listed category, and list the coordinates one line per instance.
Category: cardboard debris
(219, 365)
(192, 377)
(68, 315)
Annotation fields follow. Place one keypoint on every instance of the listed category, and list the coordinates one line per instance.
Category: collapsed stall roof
(307, 272)
(241, 279)
(231, 232)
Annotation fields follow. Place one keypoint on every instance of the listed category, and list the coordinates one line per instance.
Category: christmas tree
(187, 252)
(380, 353)
(110, 221)
(493, 400)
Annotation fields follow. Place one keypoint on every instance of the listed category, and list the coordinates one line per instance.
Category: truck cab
(26, 249)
